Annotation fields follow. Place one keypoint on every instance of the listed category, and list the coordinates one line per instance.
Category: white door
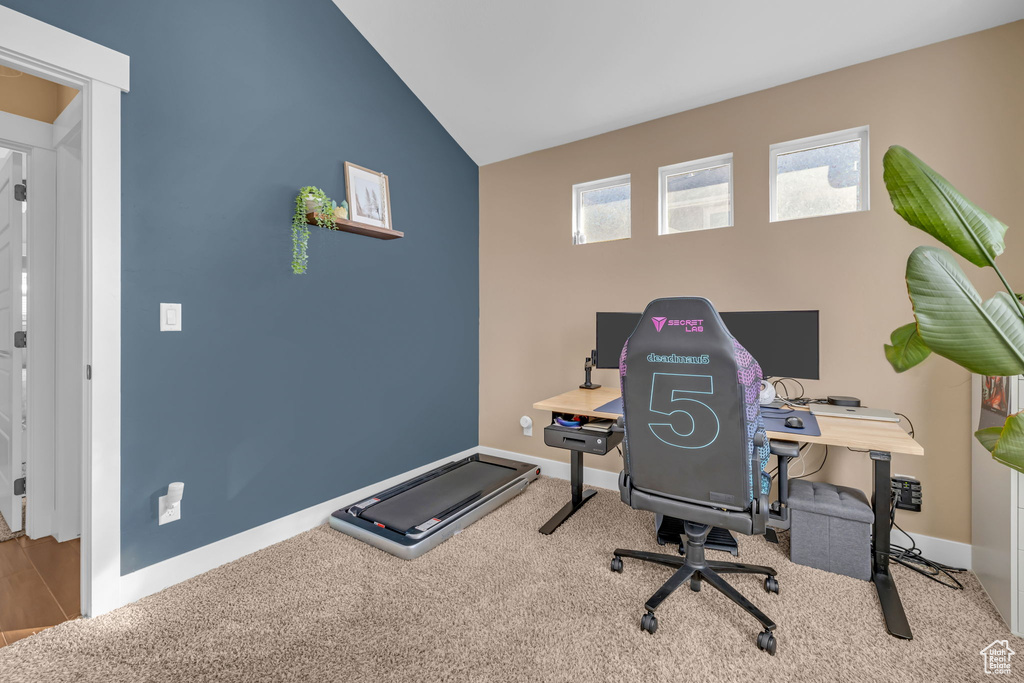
(10, 358)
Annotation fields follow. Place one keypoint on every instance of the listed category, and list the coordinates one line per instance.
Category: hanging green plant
(309, 200)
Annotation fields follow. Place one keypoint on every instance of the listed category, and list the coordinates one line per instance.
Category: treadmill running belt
(420, 503)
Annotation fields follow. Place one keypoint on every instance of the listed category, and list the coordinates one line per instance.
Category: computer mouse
(794, 422)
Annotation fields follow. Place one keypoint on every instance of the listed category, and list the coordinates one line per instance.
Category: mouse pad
(775, 421)
(611, 407)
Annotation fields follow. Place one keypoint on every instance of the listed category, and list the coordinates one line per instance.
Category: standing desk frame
(880, 439)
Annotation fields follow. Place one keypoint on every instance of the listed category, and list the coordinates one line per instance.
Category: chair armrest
(620, 424)
(784, 449)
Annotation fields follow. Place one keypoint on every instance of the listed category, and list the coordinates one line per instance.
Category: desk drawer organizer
(582, 440)
(830, 528)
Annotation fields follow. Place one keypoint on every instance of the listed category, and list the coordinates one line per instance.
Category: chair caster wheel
(771, 584)
(617, 565)
(766, 642)
(649, 623)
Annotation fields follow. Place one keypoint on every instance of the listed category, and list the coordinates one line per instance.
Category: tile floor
(39, 586)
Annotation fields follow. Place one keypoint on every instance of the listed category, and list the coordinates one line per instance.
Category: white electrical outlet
(527, 424)
(168, 512)
(170, 504)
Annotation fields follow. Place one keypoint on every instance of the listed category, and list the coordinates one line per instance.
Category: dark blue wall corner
(282, 391)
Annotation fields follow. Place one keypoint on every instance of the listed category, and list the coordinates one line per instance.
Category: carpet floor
(500, 602)
(5, 531)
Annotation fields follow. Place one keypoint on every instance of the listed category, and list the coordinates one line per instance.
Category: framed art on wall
(369, 197)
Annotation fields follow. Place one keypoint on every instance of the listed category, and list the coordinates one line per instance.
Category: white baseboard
(161, 575)
(559, 470)
(953, 553)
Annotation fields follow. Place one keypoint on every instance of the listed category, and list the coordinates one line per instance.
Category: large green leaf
(1008, 446)
(985, 337)
(927, 201)
(907, 349)
(988, 437)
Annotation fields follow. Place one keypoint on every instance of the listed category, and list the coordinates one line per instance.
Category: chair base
(692, 567)
(671, 529)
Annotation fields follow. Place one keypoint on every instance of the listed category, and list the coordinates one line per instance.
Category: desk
(881, 439)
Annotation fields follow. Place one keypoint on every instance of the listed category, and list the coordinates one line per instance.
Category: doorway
(101, 75)
(41, 437)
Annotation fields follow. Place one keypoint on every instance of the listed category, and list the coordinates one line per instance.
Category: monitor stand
(588, 365)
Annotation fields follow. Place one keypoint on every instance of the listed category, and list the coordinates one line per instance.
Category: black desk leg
(579, 496)
(892, 609)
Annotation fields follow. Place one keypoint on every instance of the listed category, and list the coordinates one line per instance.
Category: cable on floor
(913, 559)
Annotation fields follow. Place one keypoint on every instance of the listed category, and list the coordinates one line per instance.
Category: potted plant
(950, 317)
(310, 200)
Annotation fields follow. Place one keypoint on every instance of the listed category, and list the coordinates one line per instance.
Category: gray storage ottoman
(830, 528)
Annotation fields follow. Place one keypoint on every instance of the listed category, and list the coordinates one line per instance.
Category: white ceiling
(507, 77)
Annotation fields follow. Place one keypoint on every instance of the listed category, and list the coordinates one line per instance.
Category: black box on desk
(582, 440)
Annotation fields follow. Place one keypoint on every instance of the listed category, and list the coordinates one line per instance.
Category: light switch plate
(170, 317)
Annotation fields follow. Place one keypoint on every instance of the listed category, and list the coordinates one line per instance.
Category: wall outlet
(906, 491)
(527, 424)
(167, 512)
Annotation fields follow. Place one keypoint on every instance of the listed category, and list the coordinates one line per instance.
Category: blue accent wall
(282, 391)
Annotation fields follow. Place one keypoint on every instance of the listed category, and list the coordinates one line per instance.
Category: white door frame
(35, 140)
(101, 74)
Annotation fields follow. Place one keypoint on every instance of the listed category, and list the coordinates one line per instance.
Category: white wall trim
(560, 470)
(23, 134)
(41, 354)
(169, 572)
(52, 47)
(101, 472)
(953, 553)
(176, 569)
(100, 74)
(68, 121)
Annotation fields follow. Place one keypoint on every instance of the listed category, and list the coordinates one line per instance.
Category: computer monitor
(784, 343)
(613, 329)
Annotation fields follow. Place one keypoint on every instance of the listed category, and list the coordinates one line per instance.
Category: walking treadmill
(409, 519)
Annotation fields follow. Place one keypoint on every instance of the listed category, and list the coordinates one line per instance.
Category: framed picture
(995, 395)
(368, 195)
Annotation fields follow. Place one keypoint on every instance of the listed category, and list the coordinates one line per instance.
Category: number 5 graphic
(691, 423)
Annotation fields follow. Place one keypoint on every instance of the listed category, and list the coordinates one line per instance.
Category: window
(600, 210)
(696, 195)
(820, 176)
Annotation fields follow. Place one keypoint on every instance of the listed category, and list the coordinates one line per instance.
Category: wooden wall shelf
(360, 228)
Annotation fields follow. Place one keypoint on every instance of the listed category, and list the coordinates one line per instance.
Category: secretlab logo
(687, 325)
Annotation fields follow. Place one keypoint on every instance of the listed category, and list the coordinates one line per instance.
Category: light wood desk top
(835, 431)
(581, 402)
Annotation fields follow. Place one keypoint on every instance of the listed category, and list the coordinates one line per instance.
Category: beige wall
(959, 105)
(31, 97)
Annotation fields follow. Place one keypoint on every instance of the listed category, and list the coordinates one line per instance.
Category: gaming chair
(695, 446)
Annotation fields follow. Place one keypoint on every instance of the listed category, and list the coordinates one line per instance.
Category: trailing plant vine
(300, 229)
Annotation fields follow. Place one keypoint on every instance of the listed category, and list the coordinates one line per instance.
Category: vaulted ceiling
(508, 78)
